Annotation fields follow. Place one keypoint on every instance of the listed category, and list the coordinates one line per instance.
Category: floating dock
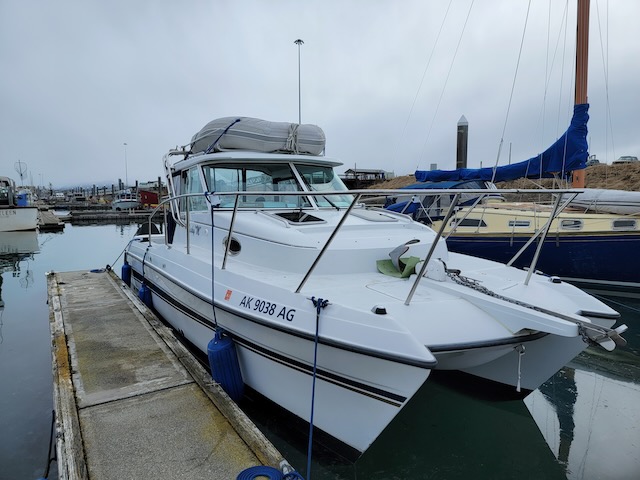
(131, 401)
(49, 221)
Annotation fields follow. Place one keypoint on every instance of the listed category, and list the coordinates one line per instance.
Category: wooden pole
(582, 62)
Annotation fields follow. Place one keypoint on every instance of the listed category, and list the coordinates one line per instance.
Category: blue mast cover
(568, 153)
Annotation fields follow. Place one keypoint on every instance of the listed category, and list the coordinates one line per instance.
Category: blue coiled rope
(271, 473)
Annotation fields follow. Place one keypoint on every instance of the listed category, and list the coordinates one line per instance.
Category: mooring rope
(319, 304)
(50, 459)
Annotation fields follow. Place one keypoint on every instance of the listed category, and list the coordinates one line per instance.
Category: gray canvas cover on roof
(246, 133)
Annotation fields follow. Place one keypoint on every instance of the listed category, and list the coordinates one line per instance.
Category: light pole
(299, 42)
(126, 174)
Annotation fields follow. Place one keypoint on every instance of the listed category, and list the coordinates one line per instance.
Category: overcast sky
(387, 80)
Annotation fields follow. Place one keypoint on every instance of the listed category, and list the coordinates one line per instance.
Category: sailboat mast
(582, 63)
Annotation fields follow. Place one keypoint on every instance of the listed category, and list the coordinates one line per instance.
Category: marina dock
(49, 221)
(131, 401)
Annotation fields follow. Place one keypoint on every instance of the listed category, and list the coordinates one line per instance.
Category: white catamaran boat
(260, 229)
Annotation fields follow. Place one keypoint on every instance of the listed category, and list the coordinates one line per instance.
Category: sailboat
(593, 243)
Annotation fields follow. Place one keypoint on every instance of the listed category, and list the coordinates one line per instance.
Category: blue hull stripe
(604, 258)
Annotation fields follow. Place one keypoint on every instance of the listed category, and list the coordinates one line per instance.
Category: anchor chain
(590, 333)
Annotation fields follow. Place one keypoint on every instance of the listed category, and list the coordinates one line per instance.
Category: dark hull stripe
(607, 260)
(339, 345)
(358, 387)
(456, 347)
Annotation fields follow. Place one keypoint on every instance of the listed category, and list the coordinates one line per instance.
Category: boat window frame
(191, 183)
(335, 184)
(571, 224)
(465, 223)
(519, 224)
(238, 176)
(633, 225)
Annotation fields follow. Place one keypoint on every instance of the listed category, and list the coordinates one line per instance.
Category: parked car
(592, 161)
(626, 159)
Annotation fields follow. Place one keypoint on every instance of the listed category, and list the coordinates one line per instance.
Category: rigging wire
(605, 61)
(424, 74)
(455, 53)
(513, 86)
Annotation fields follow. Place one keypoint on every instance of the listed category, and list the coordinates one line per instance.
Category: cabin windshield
(270, 180)
(319, 179)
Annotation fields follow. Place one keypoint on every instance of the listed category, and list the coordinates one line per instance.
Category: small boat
(604, 200)
(333, 304)
(16, 213)
(125, 200)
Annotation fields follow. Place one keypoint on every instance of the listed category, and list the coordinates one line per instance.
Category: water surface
(582, 424)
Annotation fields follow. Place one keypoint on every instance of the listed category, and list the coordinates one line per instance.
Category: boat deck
(130, 400)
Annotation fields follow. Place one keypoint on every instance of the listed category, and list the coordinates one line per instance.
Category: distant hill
(617, 177)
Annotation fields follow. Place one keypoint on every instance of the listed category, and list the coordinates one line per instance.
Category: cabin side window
(571, 224)
(624, 224)
(192, 184)
(467, 222)
(519, 223)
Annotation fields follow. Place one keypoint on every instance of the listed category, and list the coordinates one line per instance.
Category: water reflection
(14, 248)
(588, 412)
(582, 424)
(442, 433)
(561, 392)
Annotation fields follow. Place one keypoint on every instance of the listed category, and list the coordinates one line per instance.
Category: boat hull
(18, 219)
(356, 395)
(606, 261)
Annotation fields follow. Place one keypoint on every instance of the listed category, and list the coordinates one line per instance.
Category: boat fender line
(209, 198)
(607, 338)
(50, 459)
(225, 368)
(320, 304)
(118, 258)
(520, 349)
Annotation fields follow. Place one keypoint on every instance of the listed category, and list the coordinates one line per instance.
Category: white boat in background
(603, 200)
(316, 289)
(14, 216)
(125, 200)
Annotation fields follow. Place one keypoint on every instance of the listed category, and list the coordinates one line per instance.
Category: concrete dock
(131, 401)
(49, 222)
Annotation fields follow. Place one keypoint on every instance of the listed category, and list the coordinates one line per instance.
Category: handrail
(329, 240)
(553, 215)
(357, 196)
(434, 244)
(546, 226)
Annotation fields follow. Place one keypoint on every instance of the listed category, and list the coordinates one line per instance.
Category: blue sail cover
(568, 153)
